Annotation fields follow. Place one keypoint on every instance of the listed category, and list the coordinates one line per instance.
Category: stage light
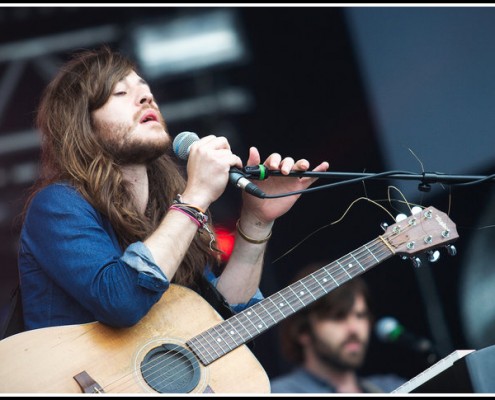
(225, 242)
(188, 43)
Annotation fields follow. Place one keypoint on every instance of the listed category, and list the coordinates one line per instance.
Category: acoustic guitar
(183, 345)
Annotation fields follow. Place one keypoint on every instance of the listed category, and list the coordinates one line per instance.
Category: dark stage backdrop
(360, 87)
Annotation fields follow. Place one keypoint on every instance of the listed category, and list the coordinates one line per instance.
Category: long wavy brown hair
(71, 152)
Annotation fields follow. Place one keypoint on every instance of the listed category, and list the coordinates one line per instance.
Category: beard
(125, 148)
(335, 357)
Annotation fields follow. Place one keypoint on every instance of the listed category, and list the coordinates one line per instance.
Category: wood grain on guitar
(183, 345)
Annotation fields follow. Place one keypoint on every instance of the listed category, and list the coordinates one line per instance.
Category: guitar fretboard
(246, 325)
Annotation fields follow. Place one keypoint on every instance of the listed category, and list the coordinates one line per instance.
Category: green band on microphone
(262, 172)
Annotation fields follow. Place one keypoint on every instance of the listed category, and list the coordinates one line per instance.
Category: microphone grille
(182, 143)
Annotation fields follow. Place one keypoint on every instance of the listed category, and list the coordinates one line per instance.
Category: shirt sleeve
(138, 257)
(77, 248)
(237, 307)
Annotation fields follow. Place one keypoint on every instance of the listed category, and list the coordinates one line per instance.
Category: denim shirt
(73, 271)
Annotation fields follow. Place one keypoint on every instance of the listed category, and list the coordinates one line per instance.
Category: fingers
(211, 142)
(322, 167)
(217, 147)
(254, 156)
(287, 164)
(274, 161)
(301, 165)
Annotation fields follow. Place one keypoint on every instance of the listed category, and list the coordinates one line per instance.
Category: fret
(326, 272)
(298, 293)
(347, 272)
(343, 269)
(244, 326)
(318, 282)
(224, 338)
(382, 247)
(212, 342)
(373, 254)
(357, 261)
(232, 332)
(260, 326)
(219, 343)
(307, 290)
(203, 354)
(267, 312)
(297, 297)
(284, 303)
(333, 278)
(277, 307)
(237, 319)
(313, 281)
(247, 314)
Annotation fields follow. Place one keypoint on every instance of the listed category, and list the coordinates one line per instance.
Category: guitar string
(337, 269)
(179, 371)
(376, 202)
(265, 311)
(358, 253)
(249, 334)
(309, 288)
(337, 272)
(171, 374)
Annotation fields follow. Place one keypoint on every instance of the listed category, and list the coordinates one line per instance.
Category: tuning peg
(384, 226)
(451, 250)
(433, 256)
(400, 217)
(416, 210)
(416, 261)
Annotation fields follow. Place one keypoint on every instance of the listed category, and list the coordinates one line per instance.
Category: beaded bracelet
(247, 238)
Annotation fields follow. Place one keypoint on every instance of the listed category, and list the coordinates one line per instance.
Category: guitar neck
(246, 325)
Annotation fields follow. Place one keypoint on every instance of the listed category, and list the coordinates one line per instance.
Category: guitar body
(149, 357)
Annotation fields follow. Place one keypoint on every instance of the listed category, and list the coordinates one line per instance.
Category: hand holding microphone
(181, 147)
(254, 207)
(274, 164)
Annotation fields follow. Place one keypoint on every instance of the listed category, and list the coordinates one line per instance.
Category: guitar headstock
(420, 232)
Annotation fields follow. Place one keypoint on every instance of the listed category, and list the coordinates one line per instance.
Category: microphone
(389, 330)
(181, 146)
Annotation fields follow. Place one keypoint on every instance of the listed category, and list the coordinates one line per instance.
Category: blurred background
(369, 89)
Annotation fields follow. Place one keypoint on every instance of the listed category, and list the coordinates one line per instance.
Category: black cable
(426, 178)
(487, 178)
(330, 185)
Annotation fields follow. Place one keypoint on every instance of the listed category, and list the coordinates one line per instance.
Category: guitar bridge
(88, 384)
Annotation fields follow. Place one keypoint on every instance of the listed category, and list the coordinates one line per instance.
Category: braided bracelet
(197, 215)
(192, 217)
(247, 238)
(178, 200)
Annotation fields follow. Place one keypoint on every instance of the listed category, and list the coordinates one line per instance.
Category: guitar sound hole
(170, 369)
